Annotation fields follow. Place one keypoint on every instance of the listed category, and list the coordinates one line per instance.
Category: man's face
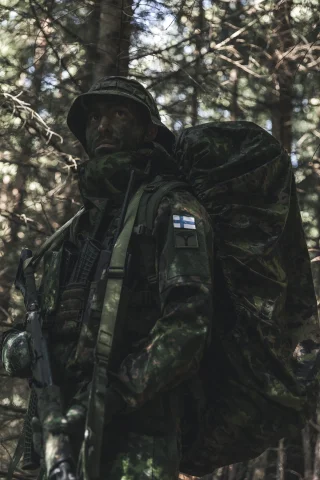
(115, 125)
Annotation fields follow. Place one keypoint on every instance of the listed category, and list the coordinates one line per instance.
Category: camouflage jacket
(167, 321)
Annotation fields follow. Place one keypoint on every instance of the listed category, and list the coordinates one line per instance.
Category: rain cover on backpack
(259, 373)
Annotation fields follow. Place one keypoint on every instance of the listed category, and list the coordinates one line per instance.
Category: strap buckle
(116, 272)
(151, 187)
(142, 230)
(102, 356)
(152, 279)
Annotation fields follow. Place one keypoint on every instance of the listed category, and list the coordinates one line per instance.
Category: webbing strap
(148, 208)
(24, 445)
(91, 447)
(156, 197)
(116, 274)
(16, 457)
(154, 193)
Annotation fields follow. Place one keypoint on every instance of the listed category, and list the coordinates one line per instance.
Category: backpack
(256, 381)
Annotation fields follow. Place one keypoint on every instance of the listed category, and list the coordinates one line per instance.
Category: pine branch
(54, 50)
(34, 124)
(31, 165)
(23, 220)
(21, 109)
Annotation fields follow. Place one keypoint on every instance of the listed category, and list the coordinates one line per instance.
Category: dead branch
(18, 105)
(7, 314)
(23, 220)
(19, 476)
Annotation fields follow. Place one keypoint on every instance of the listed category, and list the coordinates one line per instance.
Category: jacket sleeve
(176, 343)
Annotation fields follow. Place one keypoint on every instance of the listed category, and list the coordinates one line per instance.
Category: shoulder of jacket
(184, 200)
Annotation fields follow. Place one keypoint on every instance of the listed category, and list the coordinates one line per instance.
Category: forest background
(203, 60)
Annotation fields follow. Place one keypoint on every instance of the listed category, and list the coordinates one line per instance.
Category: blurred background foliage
(203, 60)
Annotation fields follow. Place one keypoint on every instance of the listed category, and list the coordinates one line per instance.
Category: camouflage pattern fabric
(266, 335)
(180, 325)
(174, 346)
(257, 380)
(123, 88)
(142, 457)
(98, 175)
(167, 325)
(134, 456)
(16, 356)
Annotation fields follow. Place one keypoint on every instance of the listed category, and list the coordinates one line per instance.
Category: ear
(151, 133)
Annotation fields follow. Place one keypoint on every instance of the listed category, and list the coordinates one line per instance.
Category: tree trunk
(90, 40)
(281, 461)
(307, 452)
(282, 109)
(235, 110)
(199, 26)
(113, 38)
(316, 465)
(107, 40)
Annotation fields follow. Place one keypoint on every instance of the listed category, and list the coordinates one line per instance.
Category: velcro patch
(185, 239)
(181, 221)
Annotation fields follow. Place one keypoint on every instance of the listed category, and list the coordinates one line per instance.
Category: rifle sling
(16, 457)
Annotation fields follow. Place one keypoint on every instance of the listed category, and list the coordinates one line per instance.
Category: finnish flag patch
(181, 221)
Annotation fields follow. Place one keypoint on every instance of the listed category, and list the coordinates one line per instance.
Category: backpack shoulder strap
(110, 314)
(155, 199)
(151, 199)
(149, 204)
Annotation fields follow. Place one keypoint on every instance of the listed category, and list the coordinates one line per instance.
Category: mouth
(105, 146)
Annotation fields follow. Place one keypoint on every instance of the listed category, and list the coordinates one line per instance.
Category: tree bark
(199, 26)
(316, 464)
(113, 38)
(281, 461)
(235, 110)
(283, 76)
(306, 440)
(106, 40)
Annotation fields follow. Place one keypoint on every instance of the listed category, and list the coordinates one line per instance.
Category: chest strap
(91, 447)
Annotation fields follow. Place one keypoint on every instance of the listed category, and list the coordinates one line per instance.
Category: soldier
(165, 323)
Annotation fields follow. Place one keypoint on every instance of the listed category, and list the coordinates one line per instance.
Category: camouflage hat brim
(78, 113)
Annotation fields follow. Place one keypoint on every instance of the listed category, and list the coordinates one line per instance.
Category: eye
(94, 117)
(121, 113)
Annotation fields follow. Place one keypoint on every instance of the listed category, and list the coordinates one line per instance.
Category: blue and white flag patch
(181, 221)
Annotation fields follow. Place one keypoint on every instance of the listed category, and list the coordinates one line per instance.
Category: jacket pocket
(70, 308)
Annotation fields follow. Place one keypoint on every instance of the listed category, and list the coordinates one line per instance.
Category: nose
(104, 124)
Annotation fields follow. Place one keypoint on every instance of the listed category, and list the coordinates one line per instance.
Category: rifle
(57, 451)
